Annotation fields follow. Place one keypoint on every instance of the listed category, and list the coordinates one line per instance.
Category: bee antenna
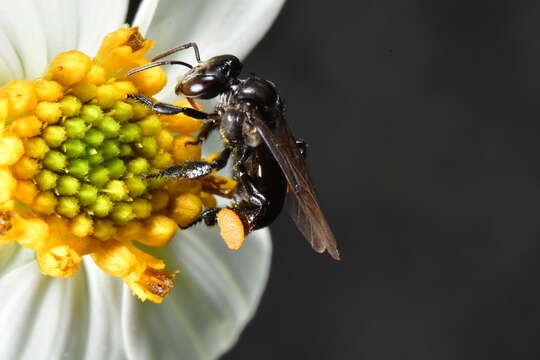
(180, 48)
(158, 63)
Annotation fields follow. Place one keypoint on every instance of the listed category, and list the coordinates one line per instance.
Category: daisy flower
(85, 240)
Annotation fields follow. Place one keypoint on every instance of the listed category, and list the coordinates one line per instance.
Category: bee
(268, 161)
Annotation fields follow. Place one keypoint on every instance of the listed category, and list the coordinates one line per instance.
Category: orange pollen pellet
(232, 229)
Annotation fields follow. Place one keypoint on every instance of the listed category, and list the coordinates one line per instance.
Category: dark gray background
(423, 122)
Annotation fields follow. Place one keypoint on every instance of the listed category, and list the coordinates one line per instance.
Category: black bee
(268, 160)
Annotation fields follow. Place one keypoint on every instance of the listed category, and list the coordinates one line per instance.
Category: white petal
(218, 27)
(215, 294)
(60, 24)
(105, 297)
(33, 32)
(21, 23)
(13, 256)
(10, 64)
(48, 318)
(145, 14)
(97, 19)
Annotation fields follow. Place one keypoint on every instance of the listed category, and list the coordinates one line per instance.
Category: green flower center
(92, 160)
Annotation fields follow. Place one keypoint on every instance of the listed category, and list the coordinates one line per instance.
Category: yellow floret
(81, 225)
(162, 160)
(132, 230)
(27, 126)
(181, 123)
(160, 230)
(150, 81)
(48, 112)
(139, 110)
(59, 261)
(21, 95)
(104, 229)
(160, 200)
(26, 191)
(30, 233)
(125, 87)
(48, 90)
(45, 203)
(26, 168)
(116, 259)
(142, 208)
(4, 112)
(34, 234)
(165, 139)
(8, 184)
(68, 68)
(96, 75)
(11, 150)
(107, 96)
(183, 151)
(85, 91)
(187, 207)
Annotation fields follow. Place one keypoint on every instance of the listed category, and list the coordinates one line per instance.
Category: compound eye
(203, 87)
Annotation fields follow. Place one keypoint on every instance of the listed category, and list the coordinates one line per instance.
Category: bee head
(210, 78)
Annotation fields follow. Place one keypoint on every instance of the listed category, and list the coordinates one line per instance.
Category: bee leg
(168, 109)
(207, 128)
(302, 146)
(251, 207)
(193, 169)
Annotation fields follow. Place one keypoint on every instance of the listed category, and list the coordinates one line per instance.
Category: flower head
(72, 152)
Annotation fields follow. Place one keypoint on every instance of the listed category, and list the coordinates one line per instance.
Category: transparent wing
(302, 201)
